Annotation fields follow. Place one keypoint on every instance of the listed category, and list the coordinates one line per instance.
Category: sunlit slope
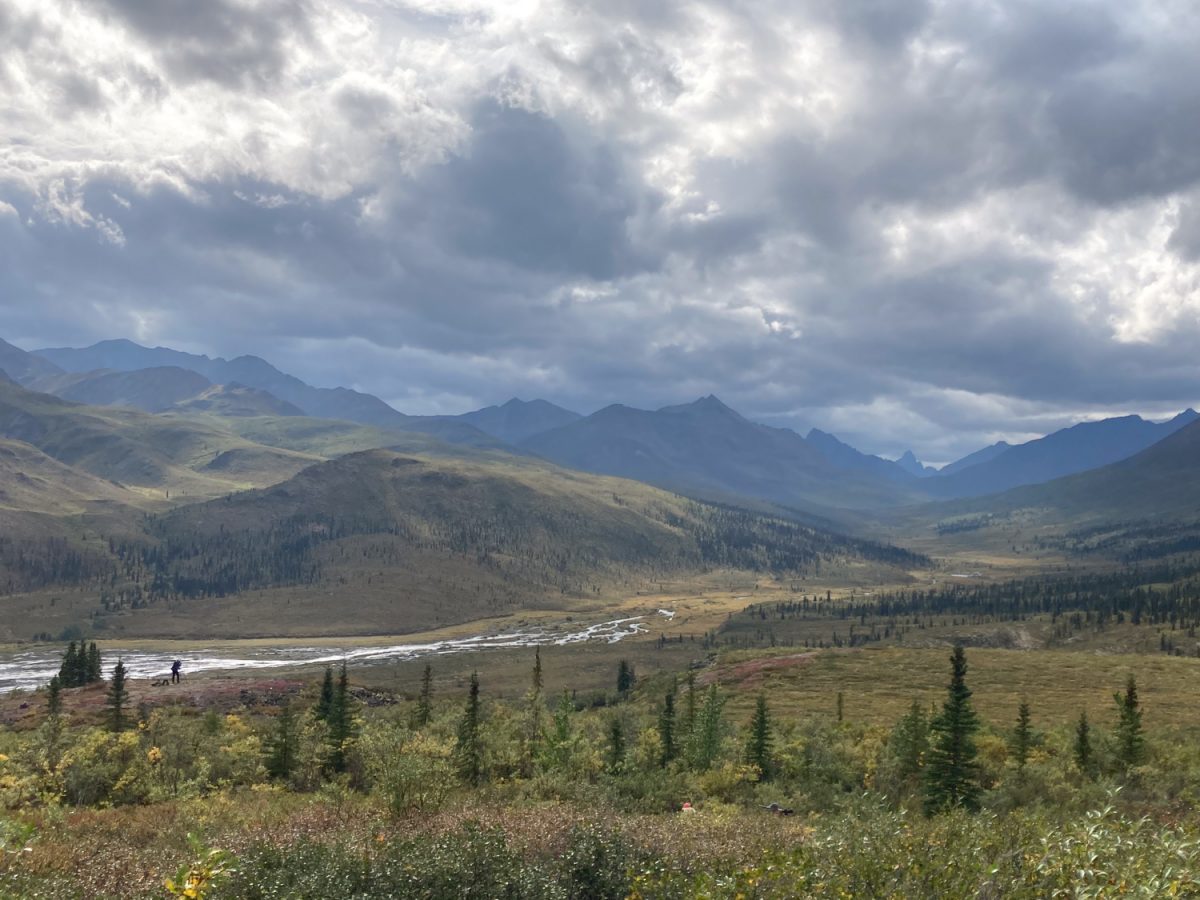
(32, 481)
(155, 455)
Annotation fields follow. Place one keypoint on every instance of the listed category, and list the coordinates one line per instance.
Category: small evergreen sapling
(1082, 749)
(118, 698)
(1022, 739)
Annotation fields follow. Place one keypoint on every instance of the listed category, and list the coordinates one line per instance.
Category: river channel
(26, 669)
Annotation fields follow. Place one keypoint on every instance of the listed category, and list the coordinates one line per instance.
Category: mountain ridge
(252, 371)
(705, 448)
(1081, 447)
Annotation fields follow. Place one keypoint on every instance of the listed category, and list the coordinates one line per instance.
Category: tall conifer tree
(468, 752)
(325, 700)
(666, 729)
(283, 745)
(424, 710)
(1131, 742)
(951, 773)
(341, 723)
(758, 741)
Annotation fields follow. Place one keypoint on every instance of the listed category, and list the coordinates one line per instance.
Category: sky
(914, 223)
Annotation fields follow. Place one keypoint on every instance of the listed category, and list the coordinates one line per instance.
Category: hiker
(175, 667)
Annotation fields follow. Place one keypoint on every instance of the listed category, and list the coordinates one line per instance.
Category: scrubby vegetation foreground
(653, 790)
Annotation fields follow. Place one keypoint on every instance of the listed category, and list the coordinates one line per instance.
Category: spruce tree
(93, 664)
(283, 744)
(1022, 738)
(908, 744)
(424, 710)
(689, 707)
(118, 698)
(468, 751)
(1083, 745)
(705, 744)
(68, 672)
(625, 678)
(758, 741)
(535, 708)
(666, 729)
(616, 745)
(1131, 742)
(951, 773)
(325, 702)
(341, 723)
(561, 741)
(54, 697)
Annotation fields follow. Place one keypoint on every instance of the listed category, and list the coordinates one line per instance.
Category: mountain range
(171, 489)
(704, 448)
(1161, 482)
(251, 371)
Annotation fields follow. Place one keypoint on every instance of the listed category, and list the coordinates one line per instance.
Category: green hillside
(154, 455)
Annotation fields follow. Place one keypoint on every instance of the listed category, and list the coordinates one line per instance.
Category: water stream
(26, 669)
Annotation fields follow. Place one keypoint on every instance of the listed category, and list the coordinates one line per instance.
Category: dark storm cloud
(525, 193)
(227, 41)
(906, 222)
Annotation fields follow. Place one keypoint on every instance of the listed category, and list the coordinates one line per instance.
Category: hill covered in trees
(420, 540)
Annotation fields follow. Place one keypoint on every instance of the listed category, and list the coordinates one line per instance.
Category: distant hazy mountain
(707, 449)
(517, 420)
(237, 400)
(913, 466)
(1162, 481)
(323, 403)
(844, 456)
(151, 390)
(1079, 448)
(974, 459)
(22, 366)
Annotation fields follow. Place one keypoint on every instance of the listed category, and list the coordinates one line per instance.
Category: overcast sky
(926, 224)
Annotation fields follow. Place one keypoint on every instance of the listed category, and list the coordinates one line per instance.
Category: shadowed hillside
(1079, 448)
(517, 420)
(150, 390)
(708, 450)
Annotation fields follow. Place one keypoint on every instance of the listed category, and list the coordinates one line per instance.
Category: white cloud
(827, 212)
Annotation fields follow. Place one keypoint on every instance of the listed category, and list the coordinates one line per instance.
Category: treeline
(1166, 596)
(1132, 542)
